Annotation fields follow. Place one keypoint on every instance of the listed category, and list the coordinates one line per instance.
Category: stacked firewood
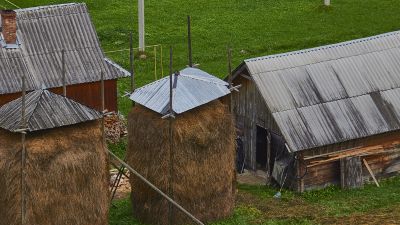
(115, 127)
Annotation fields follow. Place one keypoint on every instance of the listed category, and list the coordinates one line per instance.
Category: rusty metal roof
(192, 88)
(43, 32)
(333, 93)
(45, 110)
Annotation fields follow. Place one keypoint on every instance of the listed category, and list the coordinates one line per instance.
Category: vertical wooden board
(351, 172)
(87, 94)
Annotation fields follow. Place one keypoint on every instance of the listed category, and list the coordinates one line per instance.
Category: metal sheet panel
(191, 88)
(333, 93)
(45, 110)
(43, 33)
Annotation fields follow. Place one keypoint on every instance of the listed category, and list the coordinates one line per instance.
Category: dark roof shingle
(43, 32)
(45, 110)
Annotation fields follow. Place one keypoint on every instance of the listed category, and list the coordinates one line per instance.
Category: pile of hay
(67, 177)
(204, 179)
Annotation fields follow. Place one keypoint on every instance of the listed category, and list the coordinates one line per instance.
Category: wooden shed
(323, 116)
(57, 172)
(48, 43)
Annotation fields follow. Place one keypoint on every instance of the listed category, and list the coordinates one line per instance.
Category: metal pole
(171, 153)
(131, 63)
(23, 154)
(189, 42)
(230, 77)
(63, 71)
(141, 25)
(156, 189)
(327, 2)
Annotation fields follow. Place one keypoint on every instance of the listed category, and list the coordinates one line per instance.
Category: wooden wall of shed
(250, 111)
(88, 94)
(383, 165)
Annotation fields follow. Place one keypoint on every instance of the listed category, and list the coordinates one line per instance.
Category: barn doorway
(261, 148)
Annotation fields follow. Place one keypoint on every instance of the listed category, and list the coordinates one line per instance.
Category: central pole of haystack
(171, 146)
(230, 78)
(189, 42)
(141, 25)
(23, 153)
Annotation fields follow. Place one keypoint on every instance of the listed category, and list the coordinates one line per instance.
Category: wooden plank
(351, 172)
(370, 172)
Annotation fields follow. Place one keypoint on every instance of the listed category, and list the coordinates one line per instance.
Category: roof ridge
(48, 7)
(28, 118)
(323, 47)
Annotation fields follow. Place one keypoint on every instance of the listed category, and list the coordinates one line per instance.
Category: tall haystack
(203, 172)
(66, 164)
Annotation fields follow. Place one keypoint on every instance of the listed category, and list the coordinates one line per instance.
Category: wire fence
(156, 51)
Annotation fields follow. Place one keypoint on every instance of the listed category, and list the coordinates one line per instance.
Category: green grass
(331, 202)
(253, 28)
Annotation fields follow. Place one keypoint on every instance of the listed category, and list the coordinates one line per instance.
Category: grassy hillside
(252, 27)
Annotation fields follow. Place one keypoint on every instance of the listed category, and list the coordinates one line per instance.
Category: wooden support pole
(230, 78)
(370, 172)
(103, 109)
(268, 166)
(23, 153)
(63, 71)
(189, 42)
(131, 63)
(171, 147)
(152, 186)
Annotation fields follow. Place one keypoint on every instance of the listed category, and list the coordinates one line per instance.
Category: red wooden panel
(88, 94)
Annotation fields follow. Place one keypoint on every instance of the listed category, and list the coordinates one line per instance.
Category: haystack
(203, 178)
(66, 167)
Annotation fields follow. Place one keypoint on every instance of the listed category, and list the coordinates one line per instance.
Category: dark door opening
(261, 148)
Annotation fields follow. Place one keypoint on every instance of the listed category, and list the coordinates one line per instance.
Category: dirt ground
(124, 188)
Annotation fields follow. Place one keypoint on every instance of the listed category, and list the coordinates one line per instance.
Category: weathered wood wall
(382, 152)
(251, 111)
(87, 94)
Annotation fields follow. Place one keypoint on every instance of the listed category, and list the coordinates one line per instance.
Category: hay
(66, 177)
(204, 177)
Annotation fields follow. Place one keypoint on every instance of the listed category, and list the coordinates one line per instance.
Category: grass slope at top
(253, 28)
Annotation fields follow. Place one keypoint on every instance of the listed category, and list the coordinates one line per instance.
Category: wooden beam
(370, 172)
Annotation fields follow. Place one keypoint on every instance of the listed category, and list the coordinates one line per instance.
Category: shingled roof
(43, 32)
(191, 88)
(333, 93)
(45, 110)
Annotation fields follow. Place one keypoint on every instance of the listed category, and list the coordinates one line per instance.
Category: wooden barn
(32, 43)
(323, 116)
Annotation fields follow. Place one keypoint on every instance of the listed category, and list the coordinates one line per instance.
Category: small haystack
(66, 166)
(203, 172)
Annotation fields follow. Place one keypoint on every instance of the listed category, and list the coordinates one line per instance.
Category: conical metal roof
(192, 88)
(45, 110)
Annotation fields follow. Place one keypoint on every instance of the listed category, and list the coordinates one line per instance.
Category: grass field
(253, 28)
(256, 205)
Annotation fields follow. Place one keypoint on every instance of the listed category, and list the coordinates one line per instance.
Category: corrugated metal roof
(43, 33)
(192, 88)
(45, 110)
(333, 93)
